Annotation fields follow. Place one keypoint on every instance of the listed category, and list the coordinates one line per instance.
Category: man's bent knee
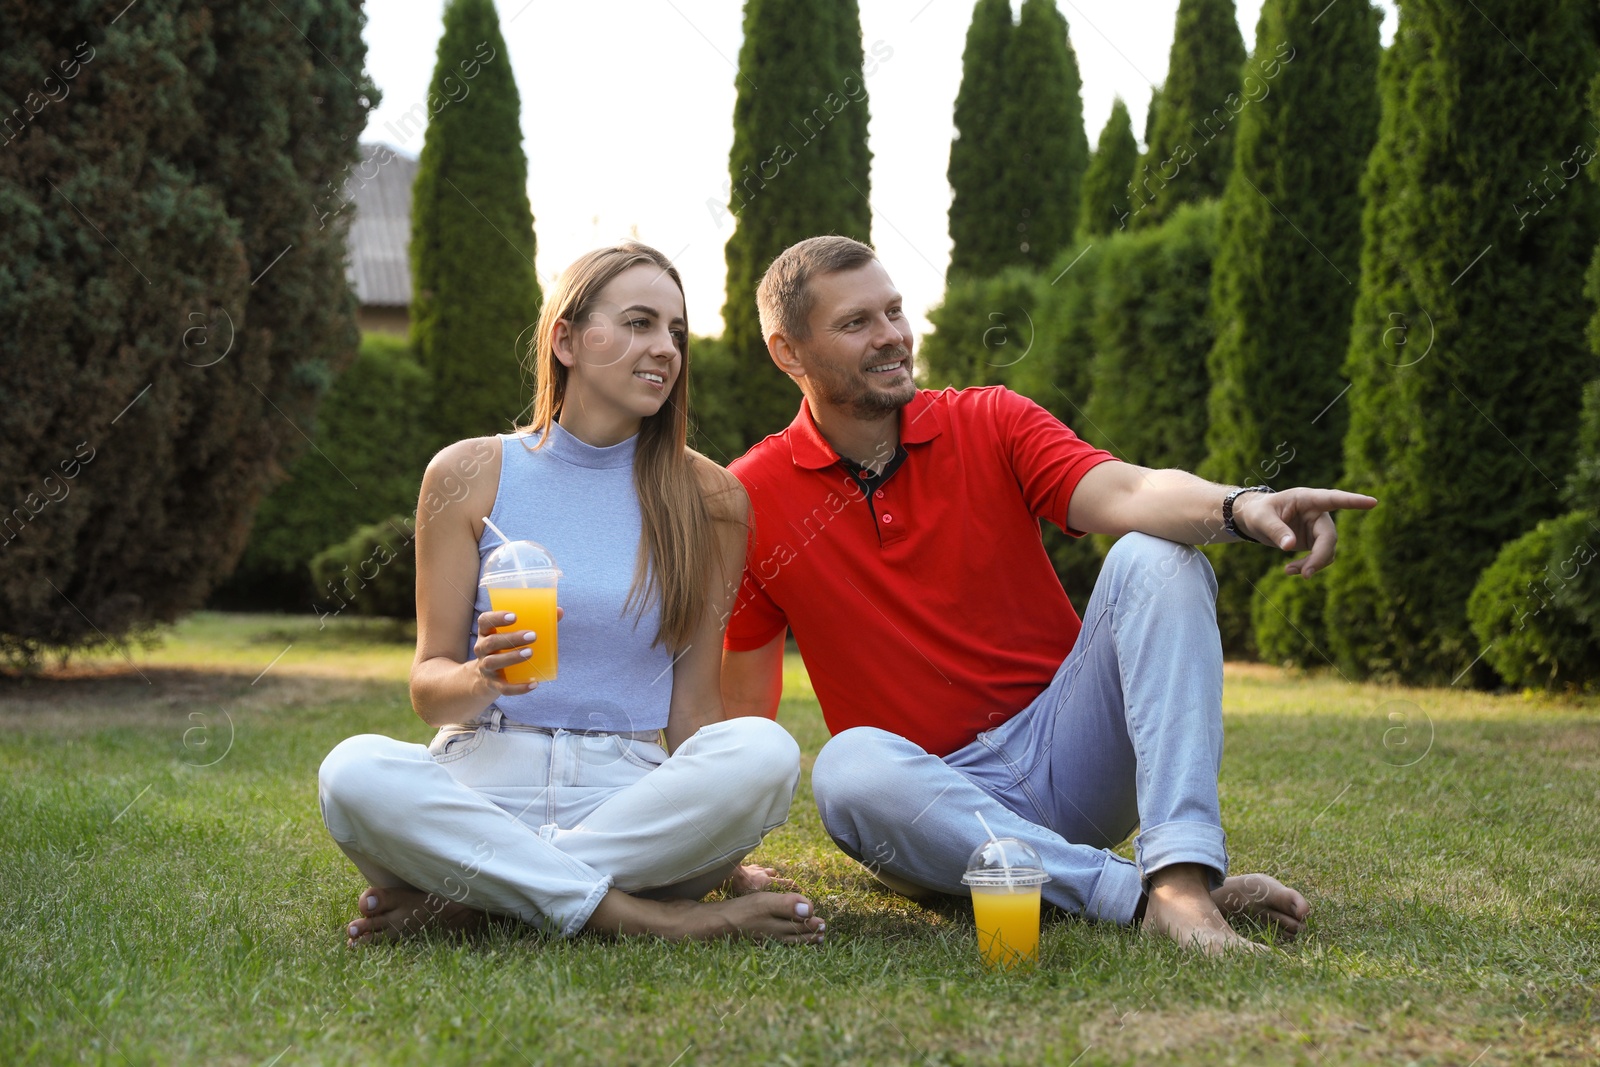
(855, 758)
(1152, 561)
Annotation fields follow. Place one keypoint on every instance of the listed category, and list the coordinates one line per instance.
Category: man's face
(858, 356)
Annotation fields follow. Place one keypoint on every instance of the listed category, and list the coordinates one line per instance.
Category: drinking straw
(497, 531)
(1004, 862)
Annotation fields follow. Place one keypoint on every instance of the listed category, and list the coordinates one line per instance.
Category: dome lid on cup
(1005, 861)
(516, 564)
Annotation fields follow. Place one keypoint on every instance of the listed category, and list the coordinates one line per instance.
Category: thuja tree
(1536, 608)
(475, 295)
(1287, 263)
(1106, 207)
(173, 286)
(1043, 120)
(1476, 235)
(798, 168)
(1018, 158)
(980, 241)
(1190, 147)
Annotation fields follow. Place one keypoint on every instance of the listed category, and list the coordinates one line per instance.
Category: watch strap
(1227, 510)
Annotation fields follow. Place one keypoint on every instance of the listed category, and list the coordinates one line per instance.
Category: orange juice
(1008, 923)
(535, 610)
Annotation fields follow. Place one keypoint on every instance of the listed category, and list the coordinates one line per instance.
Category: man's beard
(867, 403)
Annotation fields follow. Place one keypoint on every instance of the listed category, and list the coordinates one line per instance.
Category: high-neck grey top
(579, 502)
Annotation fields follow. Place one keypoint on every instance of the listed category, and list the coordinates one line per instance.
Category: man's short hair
(784, 298)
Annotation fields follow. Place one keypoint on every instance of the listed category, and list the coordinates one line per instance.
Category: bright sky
(627, 117)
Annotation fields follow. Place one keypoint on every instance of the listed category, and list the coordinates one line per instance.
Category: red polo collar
(920, 421)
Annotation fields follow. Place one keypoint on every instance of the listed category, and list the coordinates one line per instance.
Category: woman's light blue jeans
(1128, 733)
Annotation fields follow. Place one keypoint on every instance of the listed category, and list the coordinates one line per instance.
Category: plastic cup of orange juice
(520, 577)
(1005, 875)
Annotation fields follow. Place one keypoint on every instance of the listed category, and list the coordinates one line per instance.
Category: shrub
(1286, 617)
(714, 400)
(983, 331)
(371, 572)
(1521, 609)
(1152, 331)
(367, 463)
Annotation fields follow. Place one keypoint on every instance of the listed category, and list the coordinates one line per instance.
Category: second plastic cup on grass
(1005, 876)
(520, 577)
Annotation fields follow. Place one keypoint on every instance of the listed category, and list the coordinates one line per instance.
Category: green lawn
(171, 895)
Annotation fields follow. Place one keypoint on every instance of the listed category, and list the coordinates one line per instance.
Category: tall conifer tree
(1190, 149)
(1287, 264)
(172, 289)
(1105, 184)
(475, 293)
(1048, 150)
(799, 167)
(979, 238)
(1467, 350)
(1017, 163)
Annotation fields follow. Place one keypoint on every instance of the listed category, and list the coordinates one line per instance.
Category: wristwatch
(1227, 510)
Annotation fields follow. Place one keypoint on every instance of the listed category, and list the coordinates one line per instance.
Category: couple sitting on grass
(895, 532)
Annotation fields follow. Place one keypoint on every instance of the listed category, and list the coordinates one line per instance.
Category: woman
(554, 803)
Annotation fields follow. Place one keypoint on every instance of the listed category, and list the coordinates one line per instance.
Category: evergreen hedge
(799, 167)
(1057, 373)
(1152, 331)
(1287, 262)
(713, 399)
(1464, 431)
(983, 331)
(367, 464)
(371, 572)
(475, 295)
(1523, 608)
(176, 285)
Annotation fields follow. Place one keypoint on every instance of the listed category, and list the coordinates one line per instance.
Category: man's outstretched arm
(1116, 498)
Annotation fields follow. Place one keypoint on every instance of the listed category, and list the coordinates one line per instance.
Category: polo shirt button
(888, 518)
(879, 494)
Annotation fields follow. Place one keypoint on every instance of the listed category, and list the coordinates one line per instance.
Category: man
(895, 531)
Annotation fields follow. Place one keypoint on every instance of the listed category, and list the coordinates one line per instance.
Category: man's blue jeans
(1128, 733)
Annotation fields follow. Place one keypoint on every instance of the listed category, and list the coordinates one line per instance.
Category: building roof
(378, 190)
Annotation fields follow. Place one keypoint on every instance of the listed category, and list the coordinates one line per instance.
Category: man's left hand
(1297, 519)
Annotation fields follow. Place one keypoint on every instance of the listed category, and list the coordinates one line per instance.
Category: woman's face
(625, 354)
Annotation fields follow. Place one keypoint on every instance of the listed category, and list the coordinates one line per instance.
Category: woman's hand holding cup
(496, 651)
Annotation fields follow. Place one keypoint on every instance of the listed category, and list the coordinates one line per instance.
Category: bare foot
(1181, 907)
(787, 918)
(751, 879)
(1263, 897)
(392, 914)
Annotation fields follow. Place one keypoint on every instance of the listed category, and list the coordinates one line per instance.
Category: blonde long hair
(676, 544)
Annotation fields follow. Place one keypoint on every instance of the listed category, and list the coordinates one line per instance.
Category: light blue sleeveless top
(579, 502)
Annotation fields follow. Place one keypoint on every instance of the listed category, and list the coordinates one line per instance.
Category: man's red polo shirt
(930, 608)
